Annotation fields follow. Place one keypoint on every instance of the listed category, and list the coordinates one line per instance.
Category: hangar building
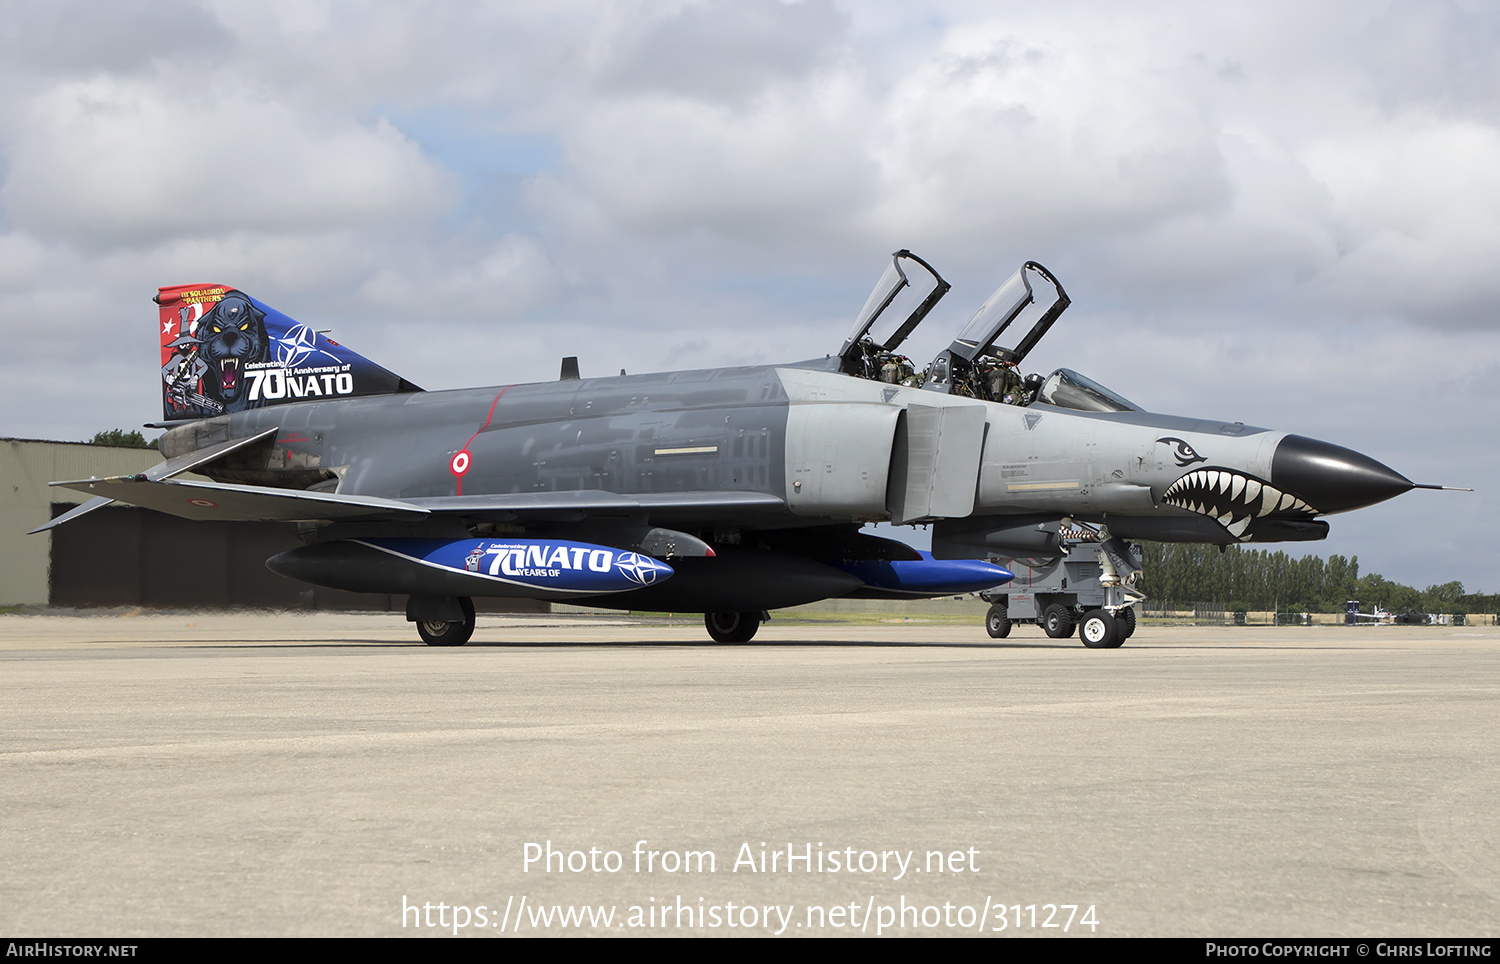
(128, 556)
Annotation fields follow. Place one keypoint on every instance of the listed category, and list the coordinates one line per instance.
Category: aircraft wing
(204, 501)
(574, 506)
(157, 488)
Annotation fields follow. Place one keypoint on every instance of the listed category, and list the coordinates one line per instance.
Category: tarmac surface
(325, 774)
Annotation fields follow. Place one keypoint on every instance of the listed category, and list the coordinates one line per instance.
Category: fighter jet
(733, 491)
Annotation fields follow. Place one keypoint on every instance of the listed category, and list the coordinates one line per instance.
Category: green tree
(132, 439)
(1256, 579)
(1444, 598)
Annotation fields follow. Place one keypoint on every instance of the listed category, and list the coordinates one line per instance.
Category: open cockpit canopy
(904, 295)
(975, 366)
(1033, 293)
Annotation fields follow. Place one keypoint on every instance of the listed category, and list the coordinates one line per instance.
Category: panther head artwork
(231, 336)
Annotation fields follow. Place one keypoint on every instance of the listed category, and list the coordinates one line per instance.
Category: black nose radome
(1331, 478)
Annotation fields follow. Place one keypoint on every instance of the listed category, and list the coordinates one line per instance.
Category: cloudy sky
(1286, 214)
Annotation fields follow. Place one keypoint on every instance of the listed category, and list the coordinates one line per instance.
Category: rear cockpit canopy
(975, 366)
(1032, 292)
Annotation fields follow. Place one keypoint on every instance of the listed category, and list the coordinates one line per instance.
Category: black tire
(1125, 619)
(1057, 621)
(732, 627)
(1099, 630)
(997, 621)
(449, 634)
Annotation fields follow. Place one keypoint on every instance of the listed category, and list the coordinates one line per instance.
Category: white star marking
(639, 569)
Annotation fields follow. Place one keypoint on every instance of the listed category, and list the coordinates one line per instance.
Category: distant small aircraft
(1380, 615)
(731, 491)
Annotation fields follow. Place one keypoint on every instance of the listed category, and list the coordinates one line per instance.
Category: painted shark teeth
(1232, 498)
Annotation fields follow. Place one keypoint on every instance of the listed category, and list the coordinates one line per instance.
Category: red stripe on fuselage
(459, 479)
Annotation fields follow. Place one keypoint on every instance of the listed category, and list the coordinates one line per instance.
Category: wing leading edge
(211, 501)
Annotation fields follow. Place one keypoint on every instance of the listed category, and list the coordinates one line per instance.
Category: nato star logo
(640, 569)
(293, 348)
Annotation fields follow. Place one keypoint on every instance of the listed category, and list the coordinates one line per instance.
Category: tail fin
(224, 352)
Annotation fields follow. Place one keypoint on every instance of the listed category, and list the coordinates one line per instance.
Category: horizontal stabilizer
(156, 473)
(213, 501)
(203, 456)
(98, 502)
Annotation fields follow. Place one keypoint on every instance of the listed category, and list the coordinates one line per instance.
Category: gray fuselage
(831, 447)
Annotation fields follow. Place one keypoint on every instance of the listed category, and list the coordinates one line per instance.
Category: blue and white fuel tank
(536, 568)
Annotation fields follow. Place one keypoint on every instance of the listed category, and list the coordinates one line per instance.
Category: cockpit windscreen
(1066, 388)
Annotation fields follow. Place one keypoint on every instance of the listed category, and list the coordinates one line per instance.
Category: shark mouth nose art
(1233, 498)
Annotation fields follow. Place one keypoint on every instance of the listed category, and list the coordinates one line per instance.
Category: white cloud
(790, 165)
(111, 162)
(1043, 136)
(501, 282)
(719, 50)
(1417, 211)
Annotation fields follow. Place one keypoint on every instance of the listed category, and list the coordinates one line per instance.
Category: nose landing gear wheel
(1100, 631)
(997, 622)
(436, 633)
(732, 627)
(1125, 618)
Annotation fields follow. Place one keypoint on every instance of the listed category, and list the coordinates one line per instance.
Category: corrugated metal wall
(26, 466)
(126, 556)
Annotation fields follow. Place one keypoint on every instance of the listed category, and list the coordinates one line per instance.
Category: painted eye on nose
(1182, 451)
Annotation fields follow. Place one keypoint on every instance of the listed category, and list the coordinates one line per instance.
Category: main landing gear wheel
(435, 633)
(997, 621)
(732, 627)
(1057, 621)
(1100, 631)
(1125, 619)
